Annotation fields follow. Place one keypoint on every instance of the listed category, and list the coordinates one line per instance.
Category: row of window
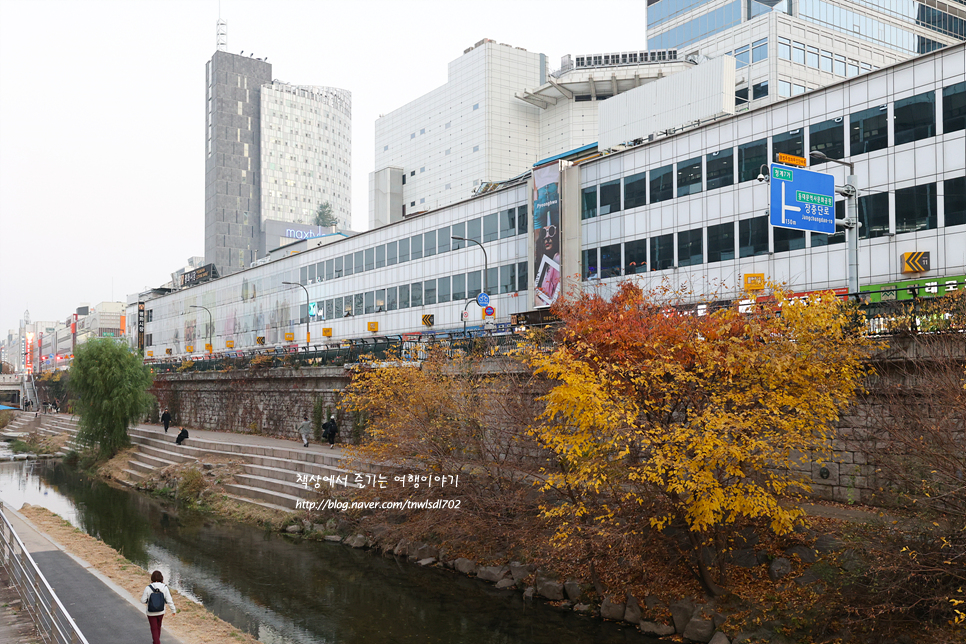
(915, 208)
(498, 225)
(816, 58)
(509, 278)
(914, 118)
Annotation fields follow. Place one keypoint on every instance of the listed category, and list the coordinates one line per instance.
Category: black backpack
(156, 601)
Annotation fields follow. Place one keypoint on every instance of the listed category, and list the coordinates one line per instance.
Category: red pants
(155, 622)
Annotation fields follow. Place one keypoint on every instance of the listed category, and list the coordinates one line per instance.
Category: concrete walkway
(248, 439)
(104, 612)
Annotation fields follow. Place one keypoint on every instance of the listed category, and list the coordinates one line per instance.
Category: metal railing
(53, 622)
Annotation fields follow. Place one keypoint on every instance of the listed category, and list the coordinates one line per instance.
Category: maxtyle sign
(802, 199)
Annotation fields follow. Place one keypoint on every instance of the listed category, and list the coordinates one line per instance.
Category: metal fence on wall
(50, 616)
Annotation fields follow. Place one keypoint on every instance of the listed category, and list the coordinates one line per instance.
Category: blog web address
(343, 506)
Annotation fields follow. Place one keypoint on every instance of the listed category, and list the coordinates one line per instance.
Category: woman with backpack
(156, 595)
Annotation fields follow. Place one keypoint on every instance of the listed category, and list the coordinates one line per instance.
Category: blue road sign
(483, 299)
(802, 199)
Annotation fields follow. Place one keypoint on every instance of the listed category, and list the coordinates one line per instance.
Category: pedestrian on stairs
(166, 419)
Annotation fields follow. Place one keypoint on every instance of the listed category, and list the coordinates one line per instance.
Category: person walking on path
(329, 430)
(305, 429)
(166, 419)
(156, 595)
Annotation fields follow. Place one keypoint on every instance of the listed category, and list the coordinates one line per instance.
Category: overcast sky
(102, 115)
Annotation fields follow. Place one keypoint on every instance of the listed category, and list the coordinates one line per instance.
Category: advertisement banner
(140, 326)
(546, 234)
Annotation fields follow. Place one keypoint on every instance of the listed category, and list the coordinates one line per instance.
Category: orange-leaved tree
(693, 416)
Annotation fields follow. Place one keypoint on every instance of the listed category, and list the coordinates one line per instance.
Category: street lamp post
(307, 336)
(851, 193)
(485, 264)
(211, 325)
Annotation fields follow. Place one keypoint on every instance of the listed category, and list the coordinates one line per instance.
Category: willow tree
(109, 383)
(661, 415)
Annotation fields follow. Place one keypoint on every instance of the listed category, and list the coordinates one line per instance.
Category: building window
(811, 56)
(492, 280)
(635, 257)
(588, 203)
(522, 284)
(759, 50)
(914, 118)
(404, 296)
(370, 259)
(751, 156)
(392, 299)
(443, 241)
(458, 230)
(610, 261)
(429, 243)
(416, 247)
(474, 229)
(422, 131)
(508, 278)
(635, 190)
(491, 227)
(429, 292)
(370, 302)
(721, 169)
(742, 57)
(788, 143)
(868, 130)
(508, 223)
(839, 65)
(784, 88)
(337, 270)
(403, 250)
(874, 215)
(360, 264)
(459, 287)
(689, 177)
(359, 304)
(826, 63)
(661, 183)
(476, 148)
(798, 53)
(828, 138)
(721, 242)
(691, 247)
(588, 264)
(662, 252)
(741, 96)
(521, 220)
(442, 290)
(853, 68)
(916, 209)
(753, 236)
(759, 90)
(784, 48)
(954, 198)
(416, 294)
(797, 89)
(787, 239)
(610, 197)
(954, 108)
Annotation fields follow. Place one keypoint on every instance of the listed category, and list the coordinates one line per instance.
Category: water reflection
(286, 591)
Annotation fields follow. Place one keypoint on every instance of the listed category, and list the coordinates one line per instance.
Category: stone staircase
(268, 476)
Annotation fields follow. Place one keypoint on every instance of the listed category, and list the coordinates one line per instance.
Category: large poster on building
(546, 234)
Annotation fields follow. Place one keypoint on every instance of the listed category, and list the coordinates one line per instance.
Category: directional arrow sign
(802, 199)
(915, 262)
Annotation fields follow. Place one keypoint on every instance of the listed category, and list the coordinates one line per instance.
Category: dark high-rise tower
(233, 159)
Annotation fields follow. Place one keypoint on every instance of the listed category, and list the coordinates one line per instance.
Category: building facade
(435, 150)
(274, 152)
(685, 210)
(306, 153)
(233, 85)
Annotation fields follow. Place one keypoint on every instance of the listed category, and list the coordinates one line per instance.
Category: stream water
(285, 590)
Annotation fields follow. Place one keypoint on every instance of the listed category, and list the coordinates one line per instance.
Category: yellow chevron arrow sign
(915, 262)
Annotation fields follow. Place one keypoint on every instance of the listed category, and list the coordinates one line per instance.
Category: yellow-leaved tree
(691, 417)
